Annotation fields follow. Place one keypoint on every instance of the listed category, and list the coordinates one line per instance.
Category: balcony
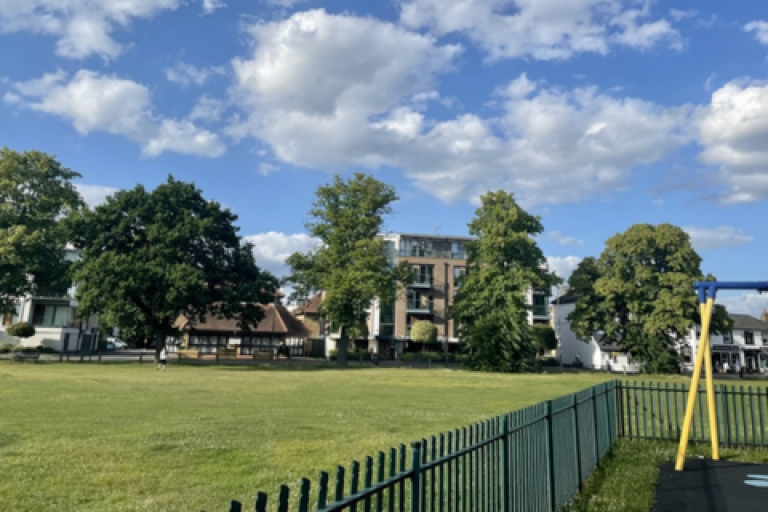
(422, 281)
(417, 306)
(541, 311)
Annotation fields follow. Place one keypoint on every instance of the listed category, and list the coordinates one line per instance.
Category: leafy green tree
(424, 331)
(21, 330)
(643, 297)
(36, 192)
(503, 262)
(147, 257)
(544, 338)
(350, 263)
(587, 313)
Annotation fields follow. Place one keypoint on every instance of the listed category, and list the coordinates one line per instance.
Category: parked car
(118, 343)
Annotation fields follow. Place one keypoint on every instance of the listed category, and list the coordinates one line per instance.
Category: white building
(746, 344)
(54, 316)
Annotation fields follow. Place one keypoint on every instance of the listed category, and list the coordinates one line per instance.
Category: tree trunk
(159, 345)
(341, 357)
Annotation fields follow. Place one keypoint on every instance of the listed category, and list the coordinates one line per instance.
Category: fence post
(235, 506)
(595, 427)
(416, 479)
(619, 403)
(550, 456)
(506, 476)
(577, 438)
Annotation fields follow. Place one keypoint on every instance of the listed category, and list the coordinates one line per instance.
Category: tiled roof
(312, 306)
(281, 323)
(747, 322)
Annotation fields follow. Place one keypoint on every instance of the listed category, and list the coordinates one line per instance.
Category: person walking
(163, 359)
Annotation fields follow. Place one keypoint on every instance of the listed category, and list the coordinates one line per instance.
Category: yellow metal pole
(706, 317)
(700, 353)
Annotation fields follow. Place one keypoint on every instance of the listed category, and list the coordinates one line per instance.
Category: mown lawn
(125, 437)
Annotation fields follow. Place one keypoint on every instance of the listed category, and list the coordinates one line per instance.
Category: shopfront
(755, 359)
(726, 353)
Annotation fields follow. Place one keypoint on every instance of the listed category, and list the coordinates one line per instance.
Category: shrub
(424, 331)
(21, 330)
(549, 361)
(5, 348)
(351, 355)
(20, 348)
(46, 350)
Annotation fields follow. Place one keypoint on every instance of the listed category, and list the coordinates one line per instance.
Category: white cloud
(542, 29)
(733, 129)
(564, 240)
(751, 303)
(708, 82)
(210, 6)
(712, 238)
(760, 28)
(82, 27)
(284, 3)
(324, 92)
(273, 248)
(186, 74)
(563, 266)
(265, 169)
(207, 109)
(94, 102)
(678, 14)
(94, 195)
(12, 98)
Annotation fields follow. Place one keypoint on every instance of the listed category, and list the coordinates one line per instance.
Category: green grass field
(125, 437)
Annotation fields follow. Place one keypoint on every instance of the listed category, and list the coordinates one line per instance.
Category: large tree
(350, 262)
(503, 263)
(36, 192)
(642, 294)
(147, 257)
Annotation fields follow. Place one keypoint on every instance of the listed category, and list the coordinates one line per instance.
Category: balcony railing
(540, 311)
(417, 306)
(432, 253)
(422, 281)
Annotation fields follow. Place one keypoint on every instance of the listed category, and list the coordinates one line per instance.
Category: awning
(726, 348)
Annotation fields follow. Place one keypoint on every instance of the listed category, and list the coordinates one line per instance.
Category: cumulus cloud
(732, 130)
(678, 14)
(210, 6)
(207, 109)
(271, 249)
(713, 238)
(563, 239)
(94, 195)
(187, 74)
(82, 27)
(751, 303)
(324, 92)
(95, 102)
(542, 29)
(563, 266)
(760, 29)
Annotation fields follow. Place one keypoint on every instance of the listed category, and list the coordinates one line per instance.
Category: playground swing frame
(707, 293)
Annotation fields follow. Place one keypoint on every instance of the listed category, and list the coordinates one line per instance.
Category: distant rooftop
(427, 235)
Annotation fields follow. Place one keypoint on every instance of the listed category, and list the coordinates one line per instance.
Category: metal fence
(655, 411)
(531, 460)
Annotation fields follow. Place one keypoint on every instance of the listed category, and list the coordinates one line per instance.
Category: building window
(419, 300)
(423, 274)
(457, 251)
(48, 315)
(540, 305)
(458, 275)
(250, 345)
(207, 344)
(416, 248)
(749, 338)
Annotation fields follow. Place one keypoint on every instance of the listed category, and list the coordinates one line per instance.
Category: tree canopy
(350, 262)
(147, 257)
(642, 295)
(544, 338)
(503, 263)
(36, 192)
(21, 330)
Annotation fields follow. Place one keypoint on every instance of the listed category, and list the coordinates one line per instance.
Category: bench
(23, 356)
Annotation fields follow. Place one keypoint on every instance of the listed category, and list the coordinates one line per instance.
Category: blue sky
(597, 114)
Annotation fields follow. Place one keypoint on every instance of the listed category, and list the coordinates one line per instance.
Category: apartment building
(55, 318)
(438, 262)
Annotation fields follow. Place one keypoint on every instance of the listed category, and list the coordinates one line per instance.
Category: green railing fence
(656, 411)
(530, 460)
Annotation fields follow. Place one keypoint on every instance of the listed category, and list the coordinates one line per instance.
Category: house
(309, 315)
(438, 263)
(55, 318)
(277, 327)
(746, 344)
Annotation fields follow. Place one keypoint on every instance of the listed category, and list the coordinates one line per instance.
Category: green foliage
(148, 257)
(433, 356)
(350, 264)
(424, 331)
(21, 330)
(23, 349)
(6, 348)
(503, 262)
(543, 337)
(642, 295)
(36, 192)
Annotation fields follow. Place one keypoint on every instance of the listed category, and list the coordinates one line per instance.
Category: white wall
(570, 345)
